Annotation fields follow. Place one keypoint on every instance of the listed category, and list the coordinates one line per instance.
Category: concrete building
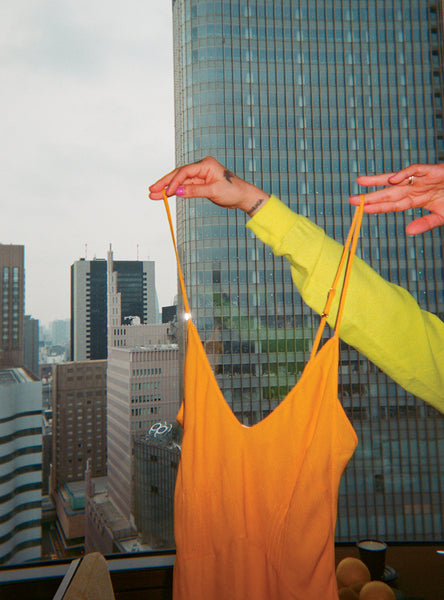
(135, 284)
(132, 336)
(79, 420)
(143, 388)
(69, 500)
(106, 529)
(71, 508)
(150, 526)
(20, 466)
(299, 98)
(12, 305)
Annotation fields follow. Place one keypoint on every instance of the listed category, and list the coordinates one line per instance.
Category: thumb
(425, 223)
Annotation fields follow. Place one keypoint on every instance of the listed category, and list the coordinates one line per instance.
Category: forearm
(381, 320)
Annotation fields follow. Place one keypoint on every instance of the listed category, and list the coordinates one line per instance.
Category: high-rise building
(78, 443)
(89, 288)
(20, 466)
(299, 98)
(142, 389)
(12, 305)
(78, 420)
(155, 470)
(88, 310)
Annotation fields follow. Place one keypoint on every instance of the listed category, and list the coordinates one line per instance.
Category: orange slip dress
(255, 507)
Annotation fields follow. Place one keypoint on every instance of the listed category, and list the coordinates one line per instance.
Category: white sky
(86, 124)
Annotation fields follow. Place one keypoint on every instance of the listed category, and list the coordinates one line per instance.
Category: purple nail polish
(180, 191)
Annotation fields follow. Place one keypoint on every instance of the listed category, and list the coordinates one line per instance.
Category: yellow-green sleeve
(381, 320)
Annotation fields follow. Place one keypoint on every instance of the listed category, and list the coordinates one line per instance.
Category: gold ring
(411, 179)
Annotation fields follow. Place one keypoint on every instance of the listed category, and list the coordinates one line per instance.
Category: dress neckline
(248, 429)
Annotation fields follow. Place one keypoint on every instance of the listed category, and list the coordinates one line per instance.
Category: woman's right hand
(207, 178)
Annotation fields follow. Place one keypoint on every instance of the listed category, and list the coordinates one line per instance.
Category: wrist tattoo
(255, 207)
(228, 175)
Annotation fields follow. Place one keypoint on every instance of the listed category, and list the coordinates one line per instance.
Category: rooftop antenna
(137, 251)
(86, 251)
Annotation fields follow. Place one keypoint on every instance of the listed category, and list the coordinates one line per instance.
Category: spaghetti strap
(348, 255)
(179, 270)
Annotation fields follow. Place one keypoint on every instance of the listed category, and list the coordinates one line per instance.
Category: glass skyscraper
(299, 97)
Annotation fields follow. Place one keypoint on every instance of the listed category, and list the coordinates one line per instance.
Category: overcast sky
(87, 123)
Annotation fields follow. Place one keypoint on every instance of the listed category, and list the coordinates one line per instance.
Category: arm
(381, 320)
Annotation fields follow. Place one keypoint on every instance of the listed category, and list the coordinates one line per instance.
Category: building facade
(12, 305)
(78, 420)
(169, 314)
(143, 388)
(59, 332)
(88, 310)
(135, 283)
(31, 345)
(299, 98)
(155, 470)
(20, 466)
(106, 529)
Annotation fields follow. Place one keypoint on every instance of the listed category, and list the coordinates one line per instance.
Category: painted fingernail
(180, 191)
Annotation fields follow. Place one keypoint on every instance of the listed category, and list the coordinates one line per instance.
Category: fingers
(404, 174)
(194, 174)
(385, 179)
(371, 181)
(388, 179)
(388, 206)
(155, 190)
(387, 196)
(374, 180)
(196, 189)
(425, 223)
(176, 178)
(189, 177)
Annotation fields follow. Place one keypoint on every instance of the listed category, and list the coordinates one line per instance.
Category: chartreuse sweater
(381, 320)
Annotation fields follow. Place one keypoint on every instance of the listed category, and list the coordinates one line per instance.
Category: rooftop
(14, 375)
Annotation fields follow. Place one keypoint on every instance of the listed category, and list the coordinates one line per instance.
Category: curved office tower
(300, 97)
(20, 467)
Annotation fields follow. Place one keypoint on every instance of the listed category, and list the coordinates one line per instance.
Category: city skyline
(88, 124)
(299, 99)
